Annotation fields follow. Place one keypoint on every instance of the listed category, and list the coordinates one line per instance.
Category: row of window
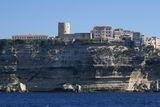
(103, 35)
(31, 37)
(103, 32)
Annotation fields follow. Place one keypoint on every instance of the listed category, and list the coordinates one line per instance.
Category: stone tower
(63, 28)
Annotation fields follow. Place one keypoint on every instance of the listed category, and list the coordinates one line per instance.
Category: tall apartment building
(102, 32)
(138, 39)
(63, 28)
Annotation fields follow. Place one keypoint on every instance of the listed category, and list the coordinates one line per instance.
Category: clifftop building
(101, 32)
(138, 39)
(153, 41)
(118, 33)
(65, 35)
(63, 28)
(128, 34)
(30, 37)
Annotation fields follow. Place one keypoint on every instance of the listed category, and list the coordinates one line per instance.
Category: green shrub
(18, 41)
(148, 49)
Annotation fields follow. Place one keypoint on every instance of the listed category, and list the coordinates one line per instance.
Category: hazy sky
(42, 16)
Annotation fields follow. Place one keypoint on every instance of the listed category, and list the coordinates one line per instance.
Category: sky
(42, 16)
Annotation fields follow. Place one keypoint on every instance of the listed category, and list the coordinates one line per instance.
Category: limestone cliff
(48, 65)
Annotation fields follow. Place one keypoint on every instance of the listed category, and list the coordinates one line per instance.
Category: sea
(93, 99)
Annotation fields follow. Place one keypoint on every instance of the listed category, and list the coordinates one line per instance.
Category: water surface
(99, 99)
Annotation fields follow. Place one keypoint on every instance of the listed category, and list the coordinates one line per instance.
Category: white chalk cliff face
(44, 66)
(138, 81)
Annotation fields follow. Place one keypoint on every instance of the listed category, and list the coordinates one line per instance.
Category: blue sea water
(99, 99)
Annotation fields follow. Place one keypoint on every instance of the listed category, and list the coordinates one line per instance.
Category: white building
(152, 41)
(128, 34)
(118, 33)
(102, 32)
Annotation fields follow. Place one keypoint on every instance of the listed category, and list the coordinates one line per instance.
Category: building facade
(83, 36)
(63, 28)
(75, 36)
(138, 39)
(152, 41)
(102, 32)
(118, 33)
(128, 34)
(30, 37)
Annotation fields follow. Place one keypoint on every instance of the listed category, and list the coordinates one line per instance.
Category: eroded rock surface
(44, 66)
